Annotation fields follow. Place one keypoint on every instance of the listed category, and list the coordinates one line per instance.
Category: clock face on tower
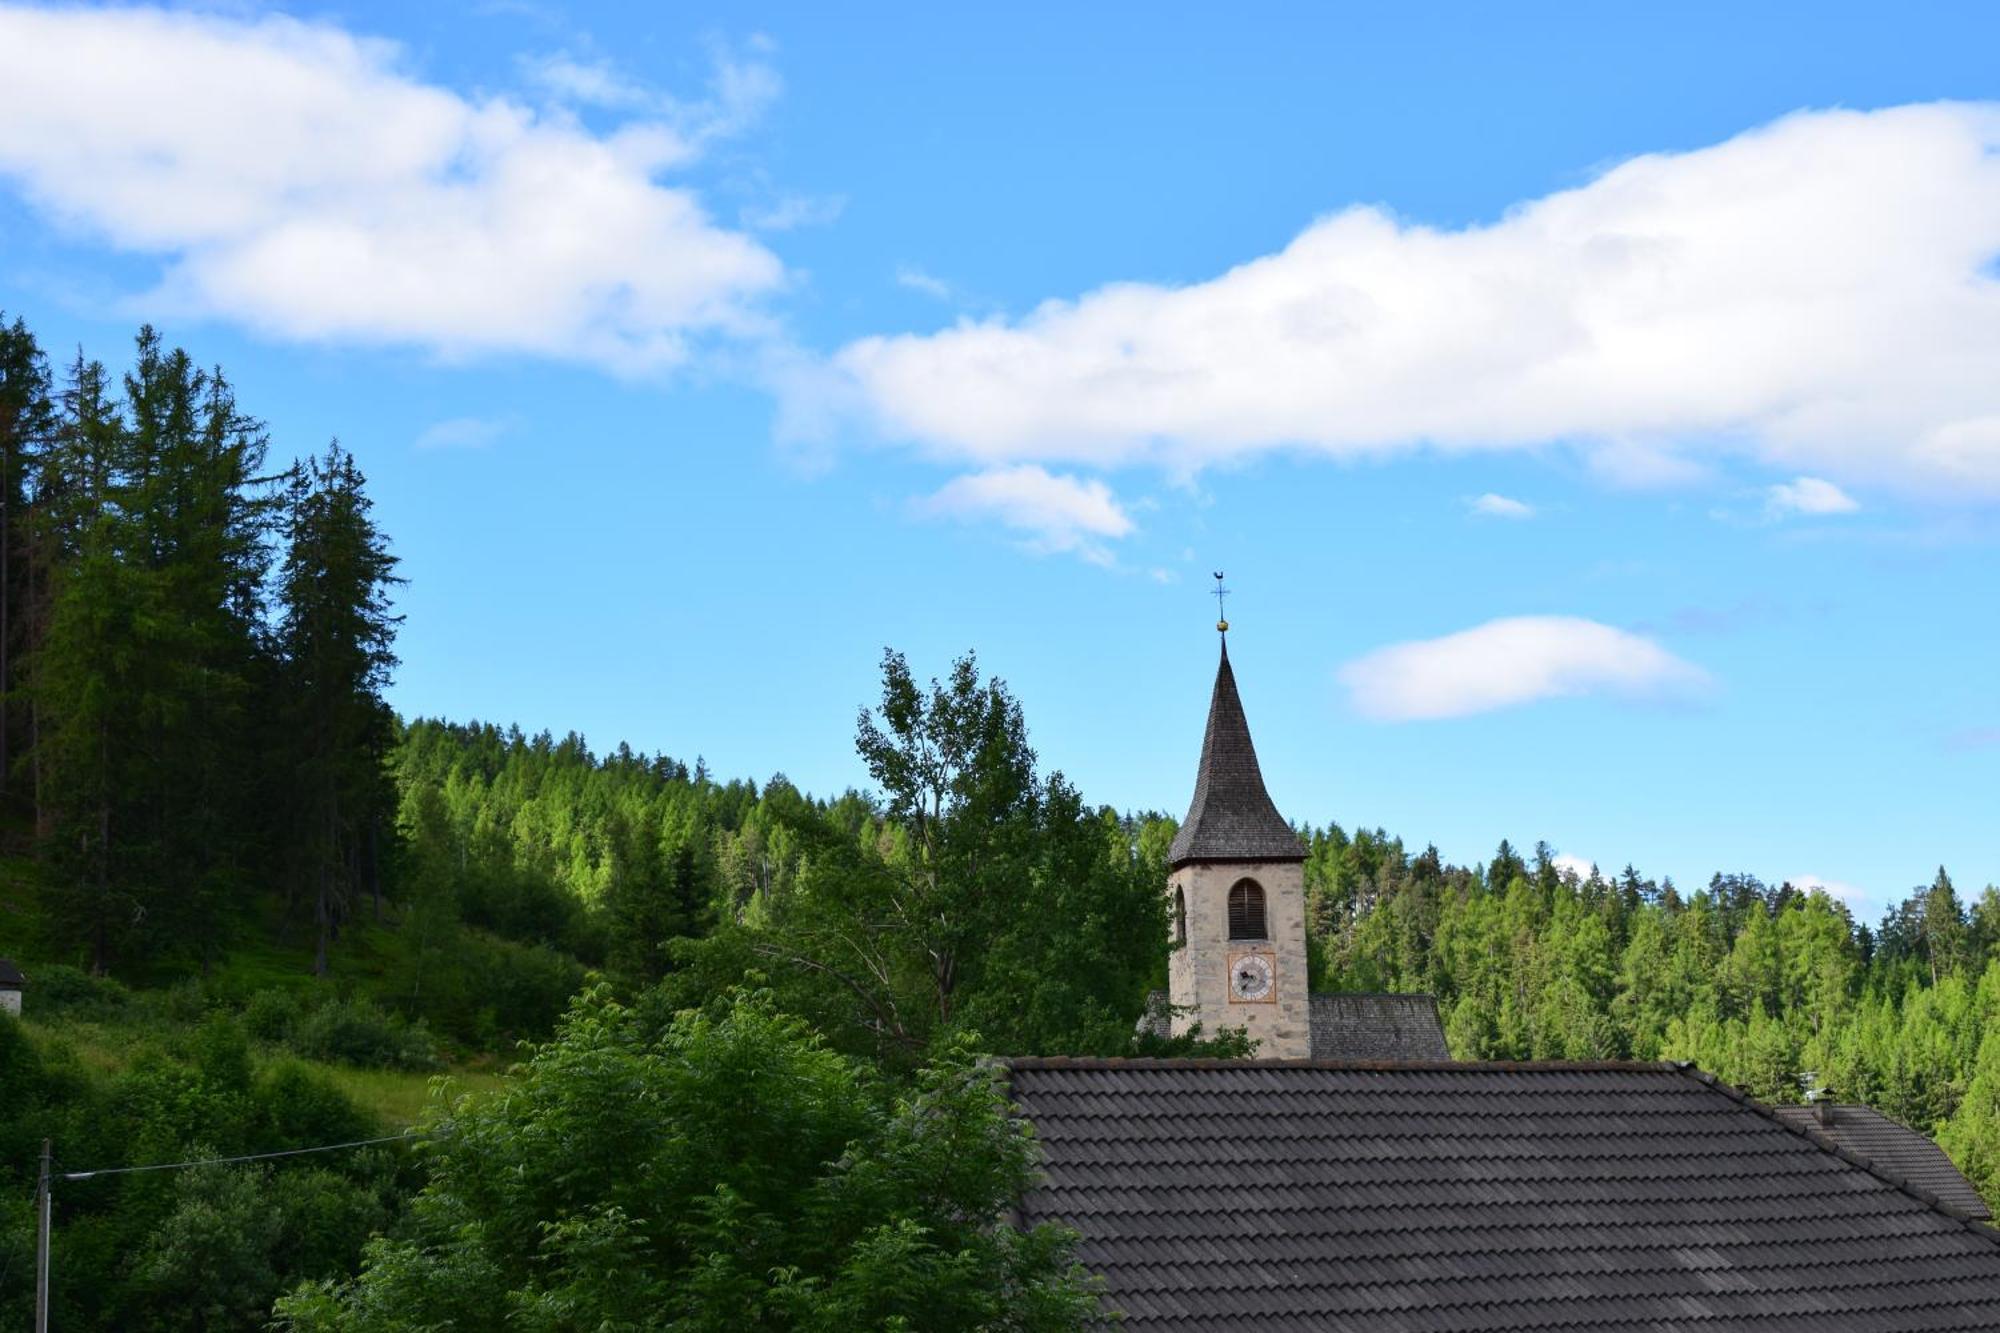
(1252, 978)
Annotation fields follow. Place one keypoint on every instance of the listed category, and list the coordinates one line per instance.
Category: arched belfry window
(1180, 917)
(1246, 911)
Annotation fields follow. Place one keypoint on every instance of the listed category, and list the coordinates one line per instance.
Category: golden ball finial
(1222, 625)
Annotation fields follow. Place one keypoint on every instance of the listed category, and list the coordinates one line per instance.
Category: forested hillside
(258, 910)
(1770, 988)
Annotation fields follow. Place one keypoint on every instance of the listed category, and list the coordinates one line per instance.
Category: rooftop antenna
(1221, 620)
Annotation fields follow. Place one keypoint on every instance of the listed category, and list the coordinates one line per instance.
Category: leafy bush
(58, 989)
(526, 987)
(356, 1032)
(298, 1104)
(199, 1249)
(786, 1188)
(477, 988)
(273, 1015)
(186, 1001)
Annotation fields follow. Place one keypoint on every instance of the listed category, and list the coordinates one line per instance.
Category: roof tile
(1430, 1196)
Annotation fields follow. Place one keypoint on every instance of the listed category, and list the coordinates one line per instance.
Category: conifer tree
(94, 678)
(336, 636)
(27, 419)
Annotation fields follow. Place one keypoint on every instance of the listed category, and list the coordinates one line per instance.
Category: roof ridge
(1373, 995)
(1867, 1164)
(1087, 1062)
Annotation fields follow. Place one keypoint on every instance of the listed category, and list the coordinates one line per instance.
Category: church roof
(1866, 1132)
(1399, 1198)
(1231, 817)
(1349, 1025)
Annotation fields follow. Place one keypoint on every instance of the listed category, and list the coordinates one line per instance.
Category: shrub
(526, 986)
(273, 1015)
(297, 1104)
(355, 1032)
(58, 989)
(186, 1001)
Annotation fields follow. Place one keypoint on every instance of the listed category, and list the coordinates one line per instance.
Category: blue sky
(1596, 415)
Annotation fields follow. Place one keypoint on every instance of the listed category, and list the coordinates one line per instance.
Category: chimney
(1823, 1109)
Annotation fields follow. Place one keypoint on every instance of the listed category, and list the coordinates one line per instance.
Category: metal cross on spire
(1221, 620)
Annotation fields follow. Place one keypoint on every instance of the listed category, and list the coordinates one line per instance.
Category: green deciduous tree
(715, 1170)
(981, 896)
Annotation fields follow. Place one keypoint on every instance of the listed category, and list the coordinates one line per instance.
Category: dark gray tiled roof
(1444, 1198)
(1231, 817)
(1376, 1027)
(1350, 1026)
(1894, 1148)
(10, 975)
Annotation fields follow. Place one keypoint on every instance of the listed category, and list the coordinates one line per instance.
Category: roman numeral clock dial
(1252, 977)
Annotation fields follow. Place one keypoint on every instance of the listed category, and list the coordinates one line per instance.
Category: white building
(11, 983)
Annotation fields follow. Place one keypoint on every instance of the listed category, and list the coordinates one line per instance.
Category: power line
(246, 1157)
(44, 1195)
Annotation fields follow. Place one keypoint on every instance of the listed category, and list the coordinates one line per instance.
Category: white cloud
(1058, 513)
(588, 82)
(1575, 865)
(914, 278)
(299, 179)
(465, 432)
(1807, 495)
(1850, 894)
(1815, 293)
(1490, 505)
(740, 91)
(789, 212)
(1513, 661)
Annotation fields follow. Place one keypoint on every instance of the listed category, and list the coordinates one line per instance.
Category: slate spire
(1232, 817)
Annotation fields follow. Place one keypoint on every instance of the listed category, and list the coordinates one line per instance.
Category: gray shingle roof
(1429, 1198)
(1376, 1027)
(10, 975)
(1232, 817)
(1350, 1026)
(1894, 1148)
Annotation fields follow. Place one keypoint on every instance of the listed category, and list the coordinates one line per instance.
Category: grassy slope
(395, 1097)
(261, 958)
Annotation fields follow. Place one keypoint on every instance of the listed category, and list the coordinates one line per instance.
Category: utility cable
(246, 1157)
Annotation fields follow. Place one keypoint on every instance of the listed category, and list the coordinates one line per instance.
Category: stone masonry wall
(1198, 974)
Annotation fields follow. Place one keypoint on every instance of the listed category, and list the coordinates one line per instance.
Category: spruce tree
(27, 420)
(336, 635)
(94, 675)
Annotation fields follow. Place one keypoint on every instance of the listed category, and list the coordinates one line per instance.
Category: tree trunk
(326, 906)
(322, 919)
(100, 960)
(100, 950)
(34, 740)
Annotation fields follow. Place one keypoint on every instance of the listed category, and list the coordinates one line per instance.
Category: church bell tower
(1236, 894)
